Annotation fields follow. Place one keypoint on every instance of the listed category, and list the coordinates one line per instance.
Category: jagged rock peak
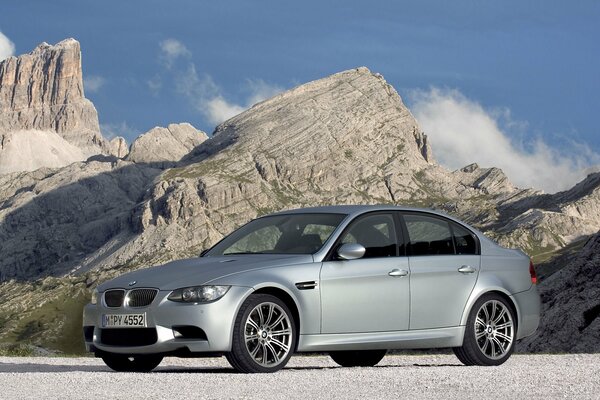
(63, 44)
(118, 147)
(588, 185)
(43, 90)
(355, 110)
(423, 144)
(489, 180)
(168, 144)
(41, 96)
(470, 168)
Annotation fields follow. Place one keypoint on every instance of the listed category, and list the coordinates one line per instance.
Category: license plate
(124, 320)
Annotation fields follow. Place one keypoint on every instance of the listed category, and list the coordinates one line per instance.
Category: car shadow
(23, 368)
(9, 367)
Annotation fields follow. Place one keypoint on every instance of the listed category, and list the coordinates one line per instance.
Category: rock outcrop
(543, 223)
(53, 221)
(166, 145)
(42, 101)
(571, 306)
(118, 147)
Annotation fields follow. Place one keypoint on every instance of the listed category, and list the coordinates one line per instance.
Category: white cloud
(112, 130)
(93, 83)
(463, 132)
(218, 110)
(171, 50)
(261, 90)
(7, 47)
(204, 94)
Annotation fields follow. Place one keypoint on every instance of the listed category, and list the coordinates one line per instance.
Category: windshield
(280, 234)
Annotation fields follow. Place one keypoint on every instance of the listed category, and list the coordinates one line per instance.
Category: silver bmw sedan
(352, 281)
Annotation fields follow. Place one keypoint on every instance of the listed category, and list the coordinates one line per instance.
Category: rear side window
(464, 240)
(428, 235)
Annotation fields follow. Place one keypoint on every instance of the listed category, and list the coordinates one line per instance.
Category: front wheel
(490, 333)
(264, 335)
(358, 358)
(136, 363)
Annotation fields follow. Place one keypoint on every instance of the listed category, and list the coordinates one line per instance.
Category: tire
(358, 358)
(135, 363)
(490, 334)
(264, 335)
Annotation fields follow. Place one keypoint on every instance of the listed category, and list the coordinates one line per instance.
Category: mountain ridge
(344, 139)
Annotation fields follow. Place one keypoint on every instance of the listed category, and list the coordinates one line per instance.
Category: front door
(361, 295)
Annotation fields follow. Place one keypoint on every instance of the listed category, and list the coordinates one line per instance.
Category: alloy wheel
(268, 334)
(494, 329)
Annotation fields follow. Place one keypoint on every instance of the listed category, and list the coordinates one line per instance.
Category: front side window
(376, 233)
(428, 235)
(280, 234)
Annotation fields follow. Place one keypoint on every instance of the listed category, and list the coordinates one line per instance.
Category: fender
(487, 283)
(307, 302)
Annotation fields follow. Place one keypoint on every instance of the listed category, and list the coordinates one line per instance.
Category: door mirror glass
(351, 251)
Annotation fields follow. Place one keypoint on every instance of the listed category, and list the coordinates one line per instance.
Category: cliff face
(42, 100)
(571, 306)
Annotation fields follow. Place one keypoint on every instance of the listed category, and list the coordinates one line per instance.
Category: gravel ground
(307, 377)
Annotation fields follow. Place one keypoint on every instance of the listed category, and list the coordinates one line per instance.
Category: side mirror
(351, 251)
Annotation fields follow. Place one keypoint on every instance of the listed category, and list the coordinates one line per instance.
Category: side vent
(306, 285)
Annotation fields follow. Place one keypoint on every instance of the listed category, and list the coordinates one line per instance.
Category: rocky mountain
(346, 138)
(166, 145)
(571, 306)
(45, 119)
(118, 147)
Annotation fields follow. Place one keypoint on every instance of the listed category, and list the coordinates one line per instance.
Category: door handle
(398, 272)
(466, 269)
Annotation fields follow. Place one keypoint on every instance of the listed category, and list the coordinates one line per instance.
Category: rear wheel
(490, 333)
(358, 358)
(264, 335)
(136, 363)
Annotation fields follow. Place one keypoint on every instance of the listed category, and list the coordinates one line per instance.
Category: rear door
(370, 294)
(444, 263)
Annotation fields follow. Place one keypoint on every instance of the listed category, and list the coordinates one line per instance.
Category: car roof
(353, 209)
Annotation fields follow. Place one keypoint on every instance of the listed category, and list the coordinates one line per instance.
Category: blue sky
(532, 66)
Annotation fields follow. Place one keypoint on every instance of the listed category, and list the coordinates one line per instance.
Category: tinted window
(376, 233)
(464, 240)
(428, 235)
(280, 234)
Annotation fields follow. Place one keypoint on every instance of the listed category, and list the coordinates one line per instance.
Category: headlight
(198, 294)
(95, 295)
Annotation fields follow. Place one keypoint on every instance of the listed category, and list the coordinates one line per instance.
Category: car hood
(199, 271)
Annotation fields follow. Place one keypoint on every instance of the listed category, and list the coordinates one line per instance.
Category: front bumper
(215, 319)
